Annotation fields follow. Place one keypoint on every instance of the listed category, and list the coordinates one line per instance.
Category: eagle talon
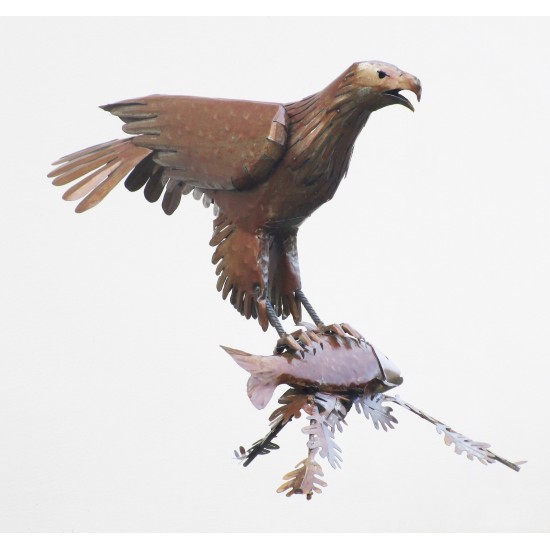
(310, 327)
(304, 339)
(288, 343)
(335, 328)
(352, 332)
(315, 337)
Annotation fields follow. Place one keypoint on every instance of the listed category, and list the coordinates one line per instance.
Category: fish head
(390, 371)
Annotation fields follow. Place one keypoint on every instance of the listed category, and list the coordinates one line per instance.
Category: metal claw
(315, 337)
(304, 338)
(308, 326)
(352, 332)
(287, 343)
(334, 328)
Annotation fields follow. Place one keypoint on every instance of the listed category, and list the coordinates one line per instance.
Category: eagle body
(265, 166)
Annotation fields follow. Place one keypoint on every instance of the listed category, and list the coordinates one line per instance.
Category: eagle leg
(311, 312)
(286, 341)
(342, 329)
(274, 320)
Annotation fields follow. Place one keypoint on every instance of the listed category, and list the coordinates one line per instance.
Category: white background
(118, 410)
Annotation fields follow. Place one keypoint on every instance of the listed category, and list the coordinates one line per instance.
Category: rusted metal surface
(265, 166)
(207, 143)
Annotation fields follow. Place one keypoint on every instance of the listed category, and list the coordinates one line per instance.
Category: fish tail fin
(263, 379)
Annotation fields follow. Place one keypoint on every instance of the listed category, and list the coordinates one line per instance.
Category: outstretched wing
(181, 143)
(208, 143)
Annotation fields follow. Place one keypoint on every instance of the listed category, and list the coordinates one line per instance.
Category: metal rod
(309, 308)
(274, 320)
(489, 454)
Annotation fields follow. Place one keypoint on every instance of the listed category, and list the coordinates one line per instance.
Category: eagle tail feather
(97, 170)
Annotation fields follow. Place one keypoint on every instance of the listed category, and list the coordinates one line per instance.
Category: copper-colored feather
(103, 166)
(265, 166)
(142, 172)
(154, 186)
(90, 182)
(172, 197)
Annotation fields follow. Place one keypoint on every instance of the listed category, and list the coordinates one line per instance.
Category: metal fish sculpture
(319, 367)
(331, 374)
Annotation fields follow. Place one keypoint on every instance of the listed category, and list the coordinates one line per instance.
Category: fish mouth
(389, 370)
(398, 98)
(396, 381)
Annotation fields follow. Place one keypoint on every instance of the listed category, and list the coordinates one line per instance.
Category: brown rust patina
(266, 166)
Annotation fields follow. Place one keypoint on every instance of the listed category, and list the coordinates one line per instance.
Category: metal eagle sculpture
(265, 167)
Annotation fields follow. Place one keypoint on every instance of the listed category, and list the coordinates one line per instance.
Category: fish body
(332, 364)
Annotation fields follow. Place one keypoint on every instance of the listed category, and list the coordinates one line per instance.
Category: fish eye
(382, 74)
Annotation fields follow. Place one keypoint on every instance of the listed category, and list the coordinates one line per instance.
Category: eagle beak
(414, 86)
(406, 82)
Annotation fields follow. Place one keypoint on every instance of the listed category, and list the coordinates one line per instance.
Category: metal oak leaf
(305, 479)
(333, 409)
(261, 447)
(321, 436)
(293, 403)
(374, 410)
(462, 444)
(473, 449)
(240, 453)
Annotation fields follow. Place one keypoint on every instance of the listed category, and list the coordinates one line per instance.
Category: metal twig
(488, 454)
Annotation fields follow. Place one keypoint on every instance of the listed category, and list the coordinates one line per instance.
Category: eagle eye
(382, 74)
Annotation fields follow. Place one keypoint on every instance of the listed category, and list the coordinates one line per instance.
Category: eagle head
(379, 84)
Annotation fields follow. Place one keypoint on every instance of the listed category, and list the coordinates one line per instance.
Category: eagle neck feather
(322, 131)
